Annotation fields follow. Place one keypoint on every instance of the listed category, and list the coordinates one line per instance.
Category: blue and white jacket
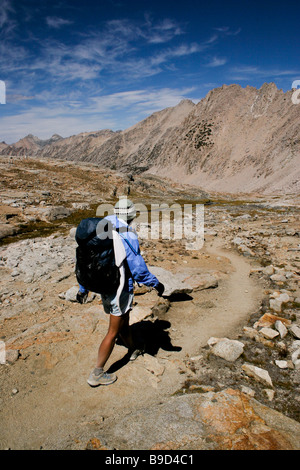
(135, 268)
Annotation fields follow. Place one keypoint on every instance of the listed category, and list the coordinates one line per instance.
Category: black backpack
(95, 259)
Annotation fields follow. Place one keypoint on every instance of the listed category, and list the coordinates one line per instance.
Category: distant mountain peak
(233, 140)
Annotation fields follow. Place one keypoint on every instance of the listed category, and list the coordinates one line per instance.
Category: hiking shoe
(102, 379)
(136, 353)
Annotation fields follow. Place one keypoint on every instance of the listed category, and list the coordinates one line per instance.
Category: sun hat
(125, 209)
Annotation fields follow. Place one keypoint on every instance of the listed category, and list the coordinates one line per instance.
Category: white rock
(72, 232)
(228, 349)
(281, 328)
(278, 278)
(184, 281)
(249, 391)
(276, 303)
(295, 345)
(250, 332)
(71, 294)
(268, 333)
(12, 356)
(282, 364)
(296, 358)
(238, 241)
(269, 270)
(196, 358)
(258, 374)
(270, 393)
(295, 330)
(80, 205)
(212, 341)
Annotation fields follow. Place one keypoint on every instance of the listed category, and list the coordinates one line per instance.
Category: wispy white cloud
(226, 31)
(143, 100)
(162, 32)
(7, 22)
(217, 62)
(66, 116)
(5, 9)
(118, 49)
(56, 22)
(245, 72)
(68, 88)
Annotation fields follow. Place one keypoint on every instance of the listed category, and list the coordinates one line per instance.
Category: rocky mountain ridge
(235, 140)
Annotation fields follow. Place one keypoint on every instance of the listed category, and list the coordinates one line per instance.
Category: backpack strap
(120, 256)
(129, 244)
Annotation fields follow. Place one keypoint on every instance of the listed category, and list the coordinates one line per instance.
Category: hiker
(118, 303)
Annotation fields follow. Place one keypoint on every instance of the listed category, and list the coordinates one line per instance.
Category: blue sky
(72, 66)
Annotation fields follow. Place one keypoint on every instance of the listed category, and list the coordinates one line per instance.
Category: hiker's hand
(81, 297)
(160, 289)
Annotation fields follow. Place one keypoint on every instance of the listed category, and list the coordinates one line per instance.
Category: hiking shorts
(111, 305)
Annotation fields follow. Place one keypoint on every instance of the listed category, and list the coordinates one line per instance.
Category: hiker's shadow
(149, 337)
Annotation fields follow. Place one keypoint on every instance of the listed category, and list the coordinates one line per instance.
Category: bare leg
(125, 333)
(116, 325)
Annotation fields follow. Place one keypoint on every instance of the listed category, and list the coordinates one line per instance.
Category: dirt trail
(218, 312)
(56, 409)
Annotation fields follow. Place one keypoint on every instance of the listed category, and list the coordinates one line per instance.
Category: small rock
(14, 391)
(249, 391)
(295, 345)
(7, 230)
(80, 205)
(278, 278)
(268, 333)
(282, 347)
(296, 358)
(238, 241)
(196, 358)
(250, 332)
(268, 320)
(95, 444)
(282, 364)
(15, 273)
(281, 328)
(228, 349)
(212, 341)
(270, 393)
(183, 281)
(295, 330)
(276, 303)
(258, 374)
(54, 212)
(72, 232)
(71, 294)
(161, 307)
(12, 355)
(269, 270)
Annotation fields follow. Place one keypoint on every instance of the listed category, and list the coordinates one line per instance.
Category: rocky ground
(221, 368)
